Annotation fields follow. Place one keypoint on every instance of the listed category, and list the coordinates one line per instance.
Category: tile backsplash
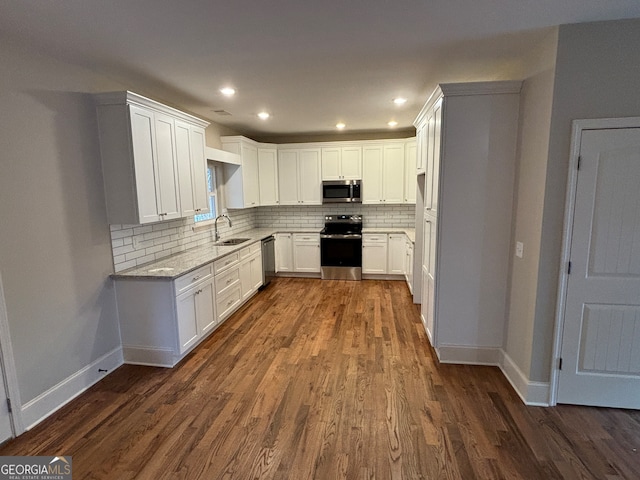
(313, 216)
(135, 245)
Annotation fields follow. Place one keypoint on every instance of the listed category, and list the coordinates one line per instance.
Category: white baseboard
(149, 356)
(531, 393)
(36, 410)
(465, 354)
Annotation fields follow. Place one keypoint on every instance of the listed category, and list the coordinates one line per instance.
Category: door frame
(578, 126)
(7, 363)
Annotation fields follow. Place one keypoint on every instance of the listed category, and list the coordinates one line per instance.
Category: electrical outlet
(519, 249)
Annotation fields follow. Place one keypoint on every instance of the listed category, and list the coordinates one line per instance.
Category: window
(214, 206)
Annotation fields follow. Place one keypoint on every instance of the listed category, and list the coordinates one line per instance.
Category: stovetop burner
(342, 224)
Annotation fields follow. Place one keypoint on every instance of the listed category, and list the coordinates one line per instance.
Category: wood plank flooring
(326, 380)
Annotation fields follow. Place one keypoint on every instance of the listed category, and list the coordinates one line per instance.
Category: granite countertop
(173, 266)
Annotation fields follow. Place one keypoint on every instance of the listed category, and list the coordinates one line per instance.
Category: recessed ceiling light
(264, 115)
(340, 126)
(228, 91)
(399, 101)
(393, 123)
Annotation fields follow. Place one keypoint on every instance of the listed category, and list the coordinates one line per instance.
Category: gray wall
(55, 249)
(55, 254)
(533, 145)
(597, 76)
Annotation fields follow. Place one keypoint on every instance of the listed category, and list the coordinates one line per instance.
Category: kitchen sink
(232, 241)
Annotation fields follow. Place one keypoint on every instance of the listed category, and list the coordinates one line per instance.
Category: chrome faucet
(216, 235)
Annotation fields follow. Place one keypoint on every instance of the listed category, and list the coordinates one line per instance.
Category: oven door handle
(341, 235)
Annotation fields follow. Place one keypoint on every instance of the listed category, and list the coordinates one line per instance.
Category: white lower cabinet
(195, 310)
(162, 319)
(397, 253)
(284, 252)
(250, 270)
(306, 252)
(374, 253)
(408, 266)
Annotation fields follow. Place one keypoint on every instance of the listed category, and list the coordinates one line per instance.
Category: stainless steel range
(341, 247)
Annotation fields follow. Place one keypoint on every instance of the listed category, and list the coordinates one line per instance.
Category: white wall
(55, 254)
(533, 144)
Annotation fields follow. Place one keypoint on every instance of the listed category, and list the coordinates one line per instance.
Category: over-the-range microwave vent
(223, 113)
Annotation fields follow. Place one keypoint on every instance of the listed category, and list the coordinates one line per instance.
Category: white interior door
(601, 335)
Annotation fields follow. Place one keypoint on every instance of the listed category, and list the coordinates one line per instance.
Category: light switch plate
(519, 249)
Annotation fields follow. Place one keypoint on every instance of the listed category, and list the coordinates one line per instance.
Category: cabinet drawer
(225, 263)
(185, 282)
(246, 252)
(226, 304)
(227, 280)
(306, 237)
(374, 238)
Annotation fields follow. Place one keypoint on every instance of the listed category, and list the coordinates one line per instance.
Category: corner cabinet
(242, 181)
(153, 159)
(467, 136)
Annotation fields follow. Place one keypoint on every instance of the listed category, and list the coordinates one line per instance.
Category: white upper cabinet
(372, 173)
(342, 163)
(268, 180)
(383, 172)
(192, 169)
(299, 176)
(242, 185)
(393, 173)
(142, 157)
(410, 179)
(309, 182)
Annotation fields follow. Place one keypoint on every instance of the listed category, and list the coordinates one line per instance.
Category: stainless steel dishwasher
(268, 260)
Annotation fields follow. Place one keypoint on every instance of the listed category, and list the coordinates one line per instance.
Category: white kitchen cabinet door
(351, 163)
(437, 138)
(284, 252)
(199, 170)
(331, 163)
(410, 178)
(205, 307)
(250, 176)
(372, 173)
(185, 171)
(288, 176)
(397, 254)
(408, 266)
(309, 177)
(256, 271)
(306, 252)
(268, 176)
(245, 279)
(421, 145)
(187, 320)
(242, 186)
(374, 253)
(166, 167)
(142, 138)
(393, 173)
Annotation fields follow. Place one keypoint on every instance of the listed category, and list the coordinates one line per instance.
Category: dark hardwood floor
(325, 380)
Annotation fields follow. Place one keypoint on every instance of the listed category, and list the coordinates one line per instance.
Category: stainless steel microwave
(342, 191)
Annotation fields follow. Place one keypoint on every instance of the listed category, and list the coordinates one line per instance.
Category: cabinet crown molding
(468, 88)
(130, 98)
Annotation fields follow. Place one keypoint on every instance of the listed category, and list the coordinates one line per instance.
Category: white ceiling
(309, 63)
